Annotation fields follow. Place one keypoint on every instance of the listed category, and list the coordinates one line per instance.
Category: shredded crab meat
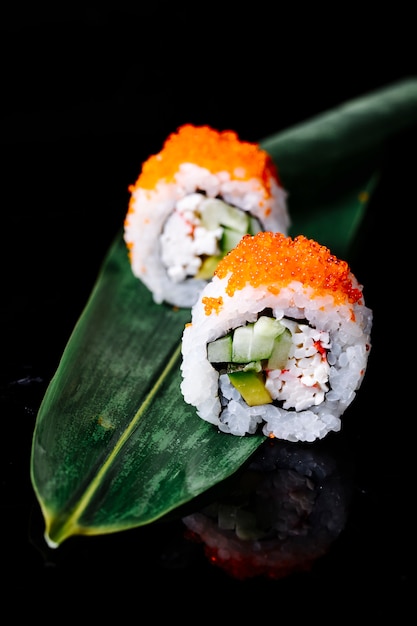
(304, 380)
(184, 240)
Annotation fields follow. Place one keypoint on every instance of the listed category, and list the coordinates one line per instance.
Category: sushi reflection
(281, 514)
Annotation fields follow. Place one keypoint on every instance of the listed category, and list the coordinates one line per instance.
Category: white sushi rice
(313, 390)
(165, 236)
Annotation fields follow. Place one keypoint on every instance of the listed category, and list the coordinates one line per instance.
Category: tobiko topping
(274, 260)
(217, 151)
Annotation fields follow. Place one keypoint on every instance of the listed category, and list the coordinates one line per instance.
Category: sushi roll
(192, 203)
(278, 340)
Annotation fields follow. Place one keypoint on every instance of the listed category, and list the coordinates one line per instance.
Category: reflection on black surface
(281, 514)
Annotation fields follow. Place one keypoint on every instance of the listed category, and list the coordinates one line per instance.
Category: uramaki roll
(192, 203)
(279, 339)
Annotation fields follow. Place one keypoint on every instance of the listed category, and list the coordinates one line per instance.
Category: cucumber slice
(215, 213)
(230, 239)
(254, 226)
(267, 327)
(255, 341)
(220, 350)
(242, 344)
(266, 339)
(235, 218)
(280, 351)
(250, 385)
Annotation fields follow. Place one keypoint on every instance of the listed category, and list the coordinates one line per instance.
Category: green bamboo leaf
(346, 210)
(336, 148)
(329, 164)
(114, 445)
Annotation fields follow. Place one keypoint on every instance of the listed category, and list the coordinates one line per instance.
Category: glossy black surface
(84, 105)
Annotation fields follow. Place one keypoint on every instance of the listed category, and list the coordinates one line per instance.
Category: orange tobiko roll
(279, 340)
(192, 203)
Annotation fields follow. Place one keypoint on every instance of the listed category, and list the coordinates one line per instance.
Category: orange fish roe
(217, 151)
(274, 260)
(212, 304)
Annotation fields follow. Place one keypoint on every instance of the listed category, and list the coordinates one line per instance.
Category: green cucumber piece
(220, 350)
(230, 239)
(235, 218)
(254, 225)
(242, 344)
(266, 326)
(215, 213)
(280, 351)
(255, 341)
(234, 222)
(250, 385)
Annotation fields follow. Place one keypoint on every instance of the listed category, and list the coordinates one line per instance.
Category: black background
(87, 96)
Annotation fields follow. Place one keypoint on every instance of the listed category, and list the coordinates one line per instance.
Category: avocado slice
(207, 267)
(250, 385)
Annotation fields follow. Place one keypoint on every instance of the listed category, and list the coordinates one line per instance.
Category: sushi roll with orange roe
(192, 203)
(279, 340)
